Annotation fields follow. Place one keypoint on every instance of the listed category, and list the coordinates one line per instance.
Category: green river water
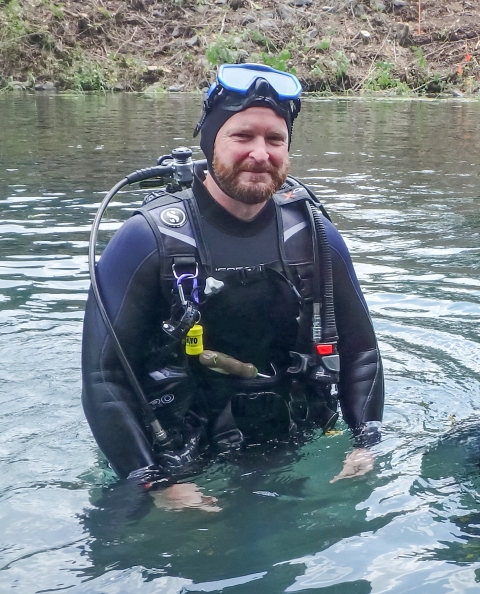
(401, 182)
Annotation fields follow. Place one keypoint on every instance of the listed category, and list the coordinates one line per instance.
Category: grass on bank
(33, 50)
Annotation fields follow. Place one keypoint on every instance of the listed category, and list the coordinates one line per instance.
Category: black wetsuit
(255, 322)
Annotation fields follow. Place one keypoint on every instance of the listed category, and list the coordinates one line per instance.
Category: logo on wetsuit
(165, 399)
(173, 217)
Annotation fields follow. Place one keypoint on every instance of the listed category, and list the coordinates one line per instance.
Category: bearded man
(248, 257)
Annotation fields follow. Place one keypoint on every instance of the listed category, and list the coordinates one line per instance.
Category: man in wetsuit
(247, 264)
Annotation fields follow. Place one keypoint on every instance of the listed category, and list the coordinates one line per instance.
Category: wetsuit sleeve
(128, 279)
(361, 387)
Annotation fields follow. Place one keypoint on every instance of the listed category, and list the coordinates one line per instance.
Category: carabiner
(181, 278)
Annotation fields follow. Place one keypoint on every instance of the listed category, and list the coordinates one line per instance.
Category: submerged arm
(361, 386)
(361, 373)
(128, 280)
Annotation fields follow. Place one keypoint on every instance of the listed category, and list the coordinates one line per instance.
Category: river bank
(353, 46)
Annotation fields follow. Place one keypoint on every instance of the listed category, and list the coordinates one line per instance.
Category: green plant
(220, 53)
(14, 26)
(383, 75)
(383, 79)
(80, 72)
(418, 53)
(316, 72)
(278, 61)
(261, 39)
(57, 9)
(89, 77)
(106, 14)
(324, 44)
(30, 79)
(15, 34)
(342, 64)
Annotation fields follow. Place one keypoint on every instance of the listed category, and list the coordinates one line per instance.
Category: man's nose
(259, 150)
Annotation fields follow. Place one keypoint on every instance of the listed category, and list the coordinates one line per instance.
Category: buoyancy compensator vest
(271, 405)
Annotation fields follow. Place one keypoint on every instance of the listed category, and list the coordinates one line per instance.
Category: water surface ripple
(400, 180)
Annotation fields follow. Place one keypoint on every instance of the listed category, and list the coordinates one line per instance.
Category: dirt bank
(332, 45)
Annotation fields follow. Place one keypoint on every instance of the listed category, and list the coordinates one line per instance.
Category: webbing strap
(191, 207)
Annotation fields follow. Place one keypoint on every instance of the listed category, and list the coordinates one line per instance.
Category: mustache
(255, 167)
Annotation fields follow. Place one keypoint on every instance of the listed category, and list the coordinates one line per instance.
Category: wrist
(149, 477)
(367, 434)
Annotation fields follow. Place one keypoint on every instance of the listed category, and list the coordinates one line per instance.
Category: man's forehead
(253, 117)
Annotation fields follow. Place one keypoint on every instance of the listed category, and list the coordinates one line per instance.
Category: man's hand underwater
(184, 495)
(357, 463)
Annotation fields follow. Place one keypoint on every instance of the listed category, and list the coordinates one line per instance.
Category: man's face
(250, 157)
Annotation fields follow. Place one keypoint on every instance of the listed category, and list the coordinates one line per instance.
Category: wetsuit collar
(220, 218)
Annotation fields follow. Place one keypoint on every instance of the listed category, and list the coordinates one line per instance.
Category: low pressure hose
(158, 432)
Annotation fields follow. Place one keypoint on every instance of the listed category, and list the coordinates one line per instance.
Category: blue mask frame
(240, 77)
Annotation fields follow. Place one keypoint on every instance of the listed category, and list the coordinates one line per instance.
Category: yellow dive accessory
(194, 340)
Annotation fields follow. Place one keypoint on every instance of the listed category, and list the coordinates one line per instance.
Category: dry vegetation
(332, 45)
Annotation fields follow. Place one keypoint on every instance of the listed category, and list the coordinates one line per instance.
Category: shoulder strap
(191, 207)
(295, 248)
(294, 190)
(175, 218)
(167, 216)
(298, 208)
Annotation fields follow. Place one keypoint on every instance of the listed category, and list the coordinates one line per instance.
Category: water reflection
(443, 478)
(400, 180)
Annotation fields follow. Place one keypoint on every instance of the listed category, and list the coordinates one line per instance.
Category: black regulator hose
(322, 249)
(159, 433)
(323, 275)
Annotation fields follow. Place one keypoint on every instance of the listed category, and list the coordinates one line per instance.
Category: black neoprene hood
(225, 104)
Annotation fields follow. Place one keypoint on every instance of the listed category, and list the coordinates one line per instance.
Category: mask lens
(239, 78)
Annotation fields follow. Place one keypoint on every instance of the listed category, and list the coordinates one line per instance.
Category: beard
(255, 192)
